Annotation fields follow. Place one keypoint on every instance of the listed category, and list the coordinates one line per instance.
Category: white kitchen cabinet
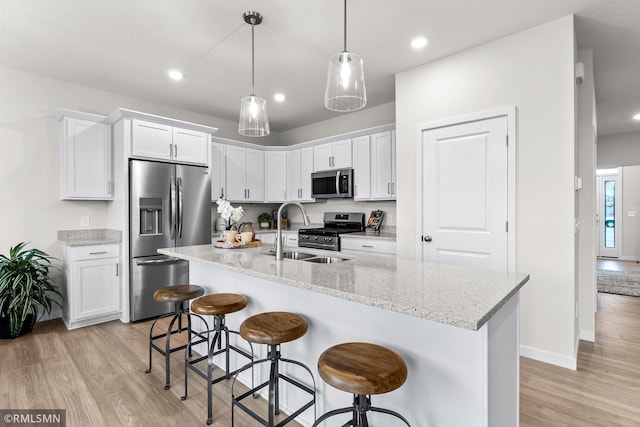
(299, 169)
(362, 168)
(163, 142)
(86, 169)
(267, 238)
(276, 176)
(290, 238)
(367, 246)
(383, 166)
(244, 174)
(217, 171)
(332, 155)
(92, 285)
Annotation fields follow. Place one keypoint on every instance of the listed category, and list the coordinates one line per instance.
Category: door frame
(510, 112)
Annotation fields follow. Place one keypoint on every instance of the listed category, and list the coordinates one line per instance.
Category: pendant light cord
(345, 25)
(253, 58)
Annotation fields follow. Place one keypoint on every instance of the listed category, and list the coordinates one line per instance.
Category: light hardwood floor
(97, 374)
(605, 388)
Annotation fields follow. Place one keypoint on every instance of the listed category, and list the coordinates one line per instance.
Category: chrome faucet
(279, 243)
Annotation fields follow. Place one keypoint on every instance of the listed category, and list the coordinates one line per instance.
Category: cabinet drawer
(77, 253)
(369, 245)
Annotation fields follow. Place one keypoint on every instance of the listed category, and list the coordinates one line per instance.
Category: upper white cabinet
(299, 168)
(362, 168)
(163, 142)
(244, 174)
(276, 176)
(86, 169)
(333, 155)
(217, 171)
(383, 165)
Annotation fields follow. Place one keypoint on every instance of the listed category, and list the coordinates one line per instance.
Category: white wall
(631, 202)
(619, 150)
(342, 123)
(534, 70)
(587, 135)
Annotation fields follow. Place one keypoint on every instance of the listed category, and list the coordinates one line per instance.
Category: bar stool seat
(362, 369)
(179, 295)
(273, 329)
(216, 305)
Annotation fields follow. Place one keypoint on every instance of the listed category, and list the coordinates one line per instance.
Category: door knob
(426, 239)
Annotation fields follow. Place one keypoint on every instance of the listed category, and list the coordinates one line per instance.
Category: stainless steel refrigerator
(170, 205)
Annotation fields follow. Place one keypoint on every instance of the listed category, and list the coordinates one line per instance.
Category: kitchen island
(456, 327)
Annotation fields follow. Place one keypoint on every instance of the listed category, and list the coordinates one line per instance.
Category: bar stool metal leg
(219, 328)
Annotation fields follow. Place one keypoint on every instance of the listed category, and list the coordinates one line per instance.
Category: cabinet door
(381, 181)
(294, 184)
(217, 171)
(322, 157)
(190, 146)
(96, 288)
(86, 166)
(276, 176)
(306, 168)
(255, 175)
(151, 140)
(235, 165)
(342, 154)
(361, 168)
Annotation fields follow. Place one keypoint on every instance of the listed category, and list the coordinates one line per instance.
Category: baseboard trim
(588, 336)
(548, 357)
(629, 258)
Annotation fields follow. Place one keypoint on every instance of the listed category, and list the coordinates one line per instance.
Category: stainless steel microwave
(332, 184)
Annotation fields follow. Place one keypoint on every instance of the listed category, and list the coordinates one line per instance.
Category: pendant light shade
(253, 109)
(345, 89)
(253, 116)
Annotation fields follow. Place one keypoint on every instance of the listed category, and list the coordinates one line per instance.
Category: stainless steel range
(328, 237)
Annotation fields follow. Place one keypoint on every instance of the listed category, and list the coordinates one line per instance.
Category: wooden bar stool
(216, 305)
(362, 369)
(273, 329)
(180, 296)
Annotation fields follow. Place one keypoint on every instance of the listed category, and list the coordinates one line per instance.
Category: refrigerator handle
(172, 208)
(180, 208)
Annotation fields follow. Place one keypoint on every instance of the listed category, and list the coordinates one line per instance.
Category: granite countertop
(463, 297)
(95, 236)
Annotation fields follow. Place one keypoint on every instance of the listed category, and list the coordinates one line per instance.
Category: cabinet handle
(248, 193)
(367, 246)
(97, 253)
(388, 187)
(300, 193)
(175, 151)
(170, 150)
(117, 269)
(393, 188)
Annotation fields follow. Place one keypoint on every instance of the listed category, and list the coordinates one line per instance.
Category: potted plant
(265, 220)
(25, 289)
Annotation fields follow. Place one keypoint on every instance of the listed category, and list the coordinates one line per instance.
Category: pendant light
(253, 109)
(345, 81)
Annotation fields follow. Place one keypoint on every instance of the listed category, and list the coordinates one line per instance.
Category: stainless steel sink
(304, 256)
(326, 259)
(297, 255)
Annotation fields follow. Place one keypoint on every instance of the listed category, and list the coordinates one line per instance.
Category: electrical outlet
(84, 221)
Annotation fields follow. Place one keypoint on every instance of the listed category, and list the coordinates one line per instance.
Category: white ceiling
(126, 46)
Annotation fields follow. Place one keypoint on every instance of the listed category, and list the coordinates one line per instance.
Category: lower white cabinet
(367, 246)
(92, 285)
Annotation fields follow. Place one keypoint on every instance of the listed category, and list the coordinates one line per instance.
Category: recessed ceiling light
(279, 97)
(419, 42)
(636, 117)
(175, 75)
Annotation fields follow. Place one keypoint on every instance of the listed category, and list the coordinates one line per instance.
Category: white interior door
(465, 194)
(609, 213)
